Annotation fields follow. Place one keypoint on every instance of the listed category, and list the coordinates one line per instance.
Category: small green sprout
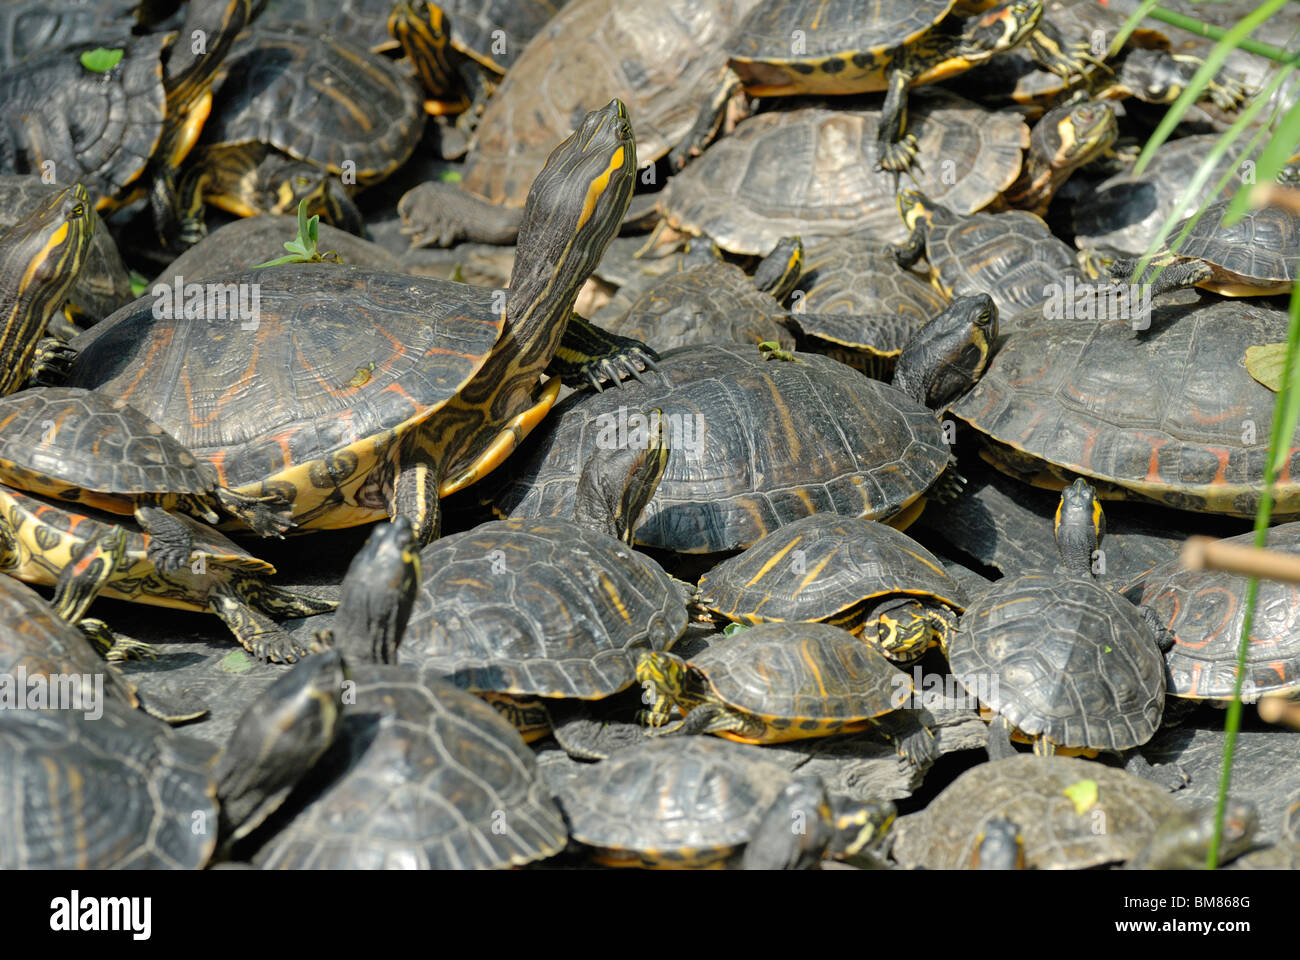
(100, 60)
(302, 248)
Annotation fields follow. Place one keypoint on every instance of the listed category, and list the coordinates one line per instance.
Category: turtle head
(378, 593)
(779, 272)
(423, 32)
(278, 740)
(1065, 138)
(947, 355)
(573, 210)
(914, 208)
(1182, 841)
(1000, 846)
(903, 630)
(1080, 525)
(663, 678)
(618, 482)
(795, 831)
(859, 824)
(1000, 28)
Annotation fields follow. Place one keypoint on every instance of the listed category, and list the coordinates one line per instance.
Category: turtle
(372, 393)
(303, 102)
(861, 575)
(741, 193)
(715, 301)
(421, 774)
(103, 284)
(1060, 659)
(1059, 803)
(1000, 845)
(126, 130)
(84, 552)
(777, 682)
(696, 802)
(757, 441)
(31, 27)
(670, 59)
(40, 259)
(1066, 138)
(1171, 415)
(80, 446)
(1204, 612)
(856, 304)
(162, 799)
(1256, 256)
(840, 47)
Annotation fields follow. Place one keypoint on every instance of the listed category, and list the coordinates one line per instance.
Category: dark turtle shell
(118, 791)
(810, 677)
(1260, 251)
(1171, 415)
(1064, 658)
(100, 128)
(1060, 832)
(325, 99)
(103, 284)
(1204, 610)
(675, 801)
(422, 776)
(78, 438)
(822, 566)
(496, 32)
(812, 172)
(754, 444)
(32, 27)
(711, 303)
(334, 364)
(833, 27)
(546, 608)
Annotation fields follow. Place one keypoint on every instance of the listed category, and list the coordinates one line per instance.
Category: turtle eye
(78, 212)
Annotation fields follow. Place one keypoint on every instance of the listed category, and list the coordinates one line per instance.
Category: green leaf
(450, 176)
(733, 628)
(302, 248)
(138, 283)
(235, 662)
(1266, 363)
(100, 60)
(1082, 794)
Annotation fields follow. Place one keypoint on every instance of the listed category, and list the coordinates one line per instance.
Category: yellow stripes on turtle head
(600, 185)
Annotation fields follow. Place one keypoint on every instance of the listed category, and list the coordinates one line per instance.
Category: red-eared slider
(103, 284)
(84, 552)
(79, 446)
(1171, 415)
(694, 803)
(715, 302)
(1256, 256)
(552, 609)
(857, 574)
(1060, 659)
(856, 304)
(357, 394)
(160, 799)
(782, 681)
(107, 128)
(787, 47)
(423, 775)
(325, 101)
(40, 259)
(1074, 814)
(846, 444)
(810, 171)
(1204, 611)
(670, 59)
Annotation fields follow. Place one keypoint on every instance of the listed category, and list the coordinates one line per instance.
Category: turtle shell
(811, 171)
(711, 303)
(422, 776)
(1261, 250)
(545, 608)
(669, 60)
(807, 678)
(1172, 415)
(753, 444)
(103, 284)
(1064, 658)
(118, 791)
(476, 26)
(317, 98)
(1204, 610)
(822, 566)
(32, 27)
(686, 801)
(55, 437)
(99, 128)
(303, 398)
(855, 296)
(1030, 791)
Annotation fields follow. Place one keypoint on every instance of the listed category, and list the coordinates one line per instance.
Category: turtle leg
(62, 328)
(706, 126)
(440, 214)
(712, 718)
(269, 516)
(170, 541)
(1174, 276)
(913, 740)
(907, 253)
(415, 489)
(114, 647)
(1051, 52)
(82, 579)
(256, 632)
(896, 147)
(590, 356)
(1171, 776)
(277, 601)
(1044, 747)
(50, 363)
(1000, 746)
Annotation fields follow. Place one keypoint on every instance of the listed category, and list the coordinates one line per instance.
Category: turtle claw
(269, 648)
(166, 557)
(898, 157)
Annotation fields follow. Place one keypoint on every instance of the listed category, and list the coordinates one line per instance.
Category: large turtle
(371, 394)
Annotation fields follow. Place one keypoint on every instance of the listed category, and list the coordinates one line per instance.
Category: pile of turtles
(699, 434)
